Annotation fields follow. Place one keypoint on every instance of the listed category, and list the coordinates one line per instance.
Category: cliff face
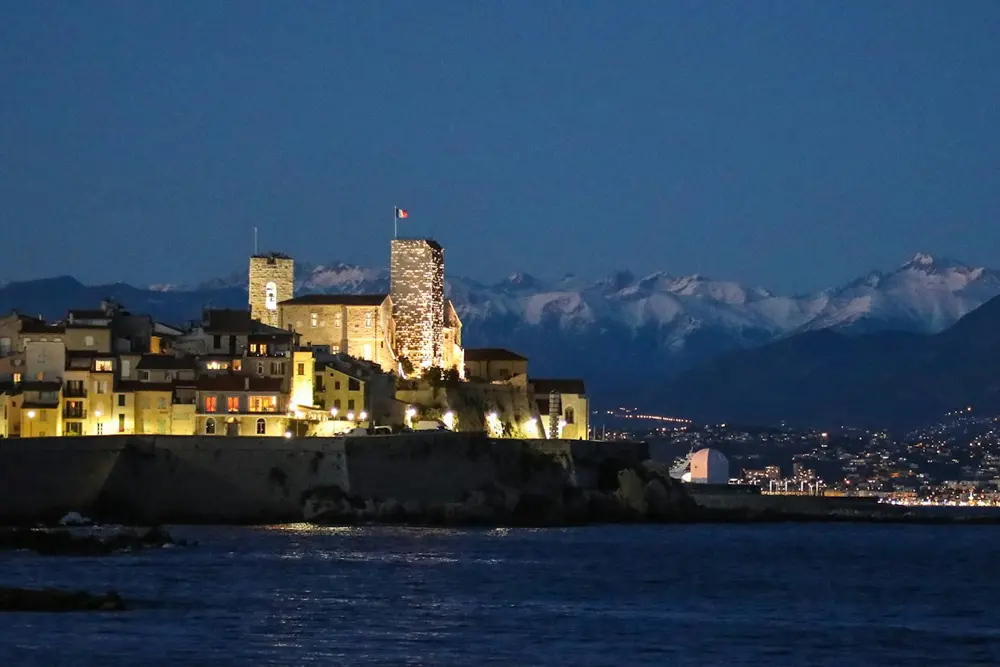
(434, 477)
(455, 479)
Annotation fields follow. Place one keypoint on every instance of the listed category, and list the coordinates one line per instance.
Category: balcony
(70, 391)
(74, 413)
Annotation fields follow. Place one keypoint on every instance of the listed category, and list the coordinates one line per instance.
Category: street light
(350, 416)
(31, 414)
(333, 412)
(363, 416)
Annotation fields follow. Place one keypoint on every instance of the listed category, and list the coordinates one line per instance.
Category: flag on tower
(401, 213)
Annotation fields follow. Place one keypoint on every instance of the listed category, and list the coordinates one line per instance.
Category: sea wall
(171, 479)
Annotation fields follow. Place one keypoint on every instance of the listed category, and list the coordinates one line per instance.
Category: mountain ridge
(616, 332)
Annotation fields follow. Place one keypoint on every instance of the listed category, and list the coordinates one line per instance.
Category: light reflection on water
(705, 595)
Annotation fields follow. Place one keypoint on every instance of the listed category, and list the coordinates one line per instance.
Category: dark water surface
(816, 594)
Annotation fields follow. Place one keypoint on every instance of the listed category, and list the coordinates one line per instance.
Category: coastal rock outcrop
(612, 491)
(89, 541)
(52, 600)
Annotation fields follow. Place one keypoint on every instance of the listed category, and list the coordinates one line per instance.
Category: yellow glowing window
(210, 404)
(217, 365)
(102, 365)
(233, 404)
(263, 404)
(237, 364)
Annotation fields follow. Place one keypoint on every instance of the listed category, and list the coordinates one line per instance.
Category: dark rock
(83, 542)
(26, 599)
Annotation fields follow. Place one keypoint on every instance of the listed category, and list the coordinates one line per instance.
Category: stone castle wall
(270, 269)
(175, 479)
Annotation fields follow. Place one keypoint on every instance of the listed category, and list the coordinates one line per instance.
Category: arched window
(271, 296)
(210, 426)
(261, 426)
(569, 415)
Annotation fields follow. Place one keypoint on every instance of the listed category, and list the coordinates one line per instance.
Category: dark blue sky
(789, 144)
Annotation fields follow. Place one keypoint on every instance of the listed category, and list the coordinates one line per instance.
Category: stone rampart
(175, 479)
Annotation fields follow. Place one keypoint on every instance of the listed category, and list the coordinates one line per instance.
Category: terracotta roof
(135, 385)
(227, 321)
(164, 362)
(44, 385)
(238, 383)
(336, 300)
(39, 327)
(89, 314)
(492, 354)
(560, 385)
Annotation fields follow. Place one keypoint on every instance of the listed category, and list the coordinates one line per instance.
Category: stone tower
(272, 280)
(417, 276)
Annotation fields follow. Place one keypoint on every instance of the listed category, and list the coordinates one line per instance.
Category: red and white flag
(401, 213)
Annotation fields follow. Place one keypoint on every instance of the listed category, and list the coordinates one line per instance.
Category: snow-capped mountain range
(608, 331)
(924, 295)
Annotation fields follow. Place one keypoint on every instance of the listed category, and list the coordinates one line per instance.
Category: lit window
(263, 403)
(210, 404)
(313, 319)
(210, 426)
(271, 296)
(88, 341)
(261, 427)
(369, 320)
(335, 349)
(102, 365)
(217, 365)
(233, 404)
(337, 320)
(17, 378)
(367, 353)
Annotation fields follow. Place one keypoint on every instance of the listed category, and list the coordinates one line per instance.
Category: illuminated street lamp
(31, 414)
(333, 412)
(363, 416)
(350, 416)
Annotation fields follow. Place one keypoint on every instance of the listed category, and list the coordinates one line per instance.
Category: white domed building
(708, 466)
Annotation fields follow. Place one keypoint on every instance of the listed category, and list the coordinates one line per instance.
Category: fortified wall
(202, 479)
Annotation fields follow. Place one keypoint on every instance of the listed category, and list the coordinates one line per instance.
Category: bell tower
(272, 280)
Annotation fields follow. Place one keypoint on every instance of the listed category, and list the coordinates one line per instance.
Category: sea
(779, 594)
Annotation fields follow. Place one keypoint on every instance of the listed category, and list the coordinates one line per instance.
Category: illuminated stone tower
(417, 269)
(272, 280)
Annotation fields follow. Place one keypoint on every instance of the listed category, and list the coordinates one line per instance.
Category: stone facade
(417, 269)
(360, 325)
(272, 280)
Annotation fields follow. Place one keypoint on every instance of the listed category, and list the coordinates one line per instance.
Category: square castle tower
(417, 277)
(272, 280)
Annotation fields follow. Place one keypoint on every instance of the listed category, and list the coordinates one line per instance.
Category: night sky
(793, 144)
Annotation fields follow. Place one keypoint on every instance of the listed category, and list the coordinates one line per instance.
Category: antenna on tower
(255, 241)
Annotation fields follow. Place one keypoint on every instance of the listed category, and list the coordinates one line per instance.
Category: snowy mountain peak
(921, 259)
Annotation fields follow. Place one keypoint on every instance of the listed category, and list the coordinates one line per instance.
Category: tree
(433, 375)
(451, 376)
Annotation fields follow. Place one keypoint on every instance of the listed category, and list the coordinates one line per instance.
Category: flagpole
(395, 223)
